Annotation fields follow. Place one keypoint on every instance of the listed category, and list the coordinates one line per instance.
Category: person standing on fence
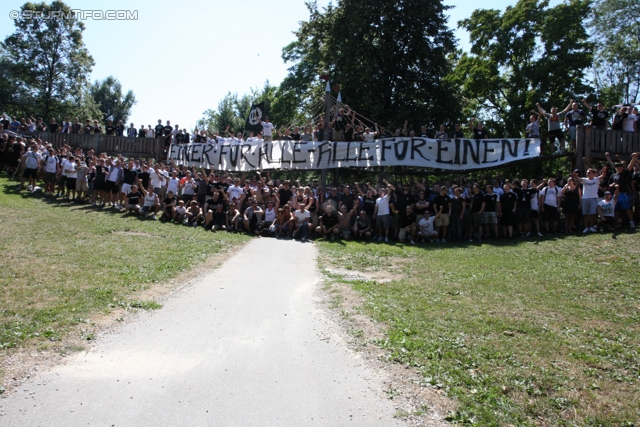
(629, 123)
(554, 119)
(159, 129)
(574, 118)
(132, 132)
(599, 116)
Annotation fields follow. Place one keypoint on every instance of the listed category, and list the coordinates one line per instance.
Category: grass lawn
(519, 333)
(64, 263)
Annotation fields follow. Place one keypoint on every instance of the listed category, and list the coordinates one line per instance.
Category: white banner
(454, 154)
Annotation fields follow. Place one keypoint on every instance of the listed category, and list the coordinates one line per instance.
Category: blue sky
(181, 58)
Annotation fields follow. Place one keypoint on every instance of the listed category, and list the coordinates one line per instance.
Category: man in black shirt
(476, 211)
(159, 129)
(328, 227)
(53, 126)
(133, 200)
(479, 131)
(599, 116)
(491, 211)
(508, 206)
(110, 129)
(443, 207)
(623, 177)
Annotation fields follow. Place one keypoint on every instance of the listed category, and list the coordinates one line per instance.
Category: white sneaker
(594, 229)
(413, 243)
(586, 230)
(386, 239)
(539, 234)
(632, 224)
(528, 234)
(443, 241)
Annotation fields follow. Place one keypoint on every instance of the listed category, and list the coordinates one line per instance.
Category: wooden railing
(112, 145)
(593, 144)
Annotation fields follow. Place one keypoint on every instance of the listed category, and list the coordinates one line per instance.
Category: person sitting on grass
(216, 220)
(132, 200)
(426, 228)
(344, 220)
(328, 227)
(607, 219)
(252, 218)
(301, 218)
(233, 218)
(180, 213)
(151, 203)
(408, 225)
(362, 226)
(168, 206)
(283, 226)
(193, 214)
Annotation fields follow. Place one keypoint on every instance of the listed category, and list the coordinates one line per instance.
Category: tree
(50, 62)
(109, 98)
(231, 113)
(389, 58)
(616, 33)
(527, 54)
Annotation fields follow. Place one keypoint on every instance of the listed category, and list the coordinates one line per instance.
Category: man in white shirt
(267, 129)
(31, 161)
(302, 219)
(50, 165)
(629, 122)
(590, 199)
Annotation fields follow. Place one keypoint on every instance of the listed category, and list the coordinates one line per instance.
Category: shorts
(572, 133)
(30, 173)
(126, 188)
(49, 177)
(402, 233)
(534, 214)
(99, 185)
(551, 213)
(623, 202)
(589, 206)
(111, 187)
(346, 233)
(443, 220)
(553, 134)
(489, 218)
(71, 184)
(81, 185)
(133, 207)
(395, 220)
(383, 221)
(475, 220)
(508, 218)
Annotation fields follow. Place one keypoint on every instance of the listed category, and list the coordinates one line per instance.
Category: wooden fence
(112, 145)
(593, 144)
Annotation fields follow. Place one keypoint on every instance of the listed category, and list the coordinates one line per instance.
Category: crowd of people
(346, 125)
(605, 199)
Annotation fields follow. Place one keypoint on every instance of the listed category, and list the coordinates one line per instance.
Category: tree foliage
(616, 32)
(111, 101)
(389, 58)
(49, 62)
(526, 54)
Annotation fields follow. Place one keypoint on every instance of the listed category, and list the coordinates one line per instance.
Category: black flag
(256, 115)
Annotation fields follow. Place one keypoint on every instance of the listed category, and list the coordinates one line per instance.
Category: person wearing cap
(606, 209)
(623, 177)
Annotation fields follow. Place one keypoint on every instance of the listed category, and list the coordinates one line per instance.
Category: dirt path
(247, 344)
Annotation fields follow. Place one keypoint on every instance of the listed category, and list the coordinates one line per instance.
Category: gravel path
(246, 345)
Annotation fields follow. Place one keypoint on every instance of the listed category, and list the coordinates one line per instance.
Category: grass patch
(526, 333)
(63, 263)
